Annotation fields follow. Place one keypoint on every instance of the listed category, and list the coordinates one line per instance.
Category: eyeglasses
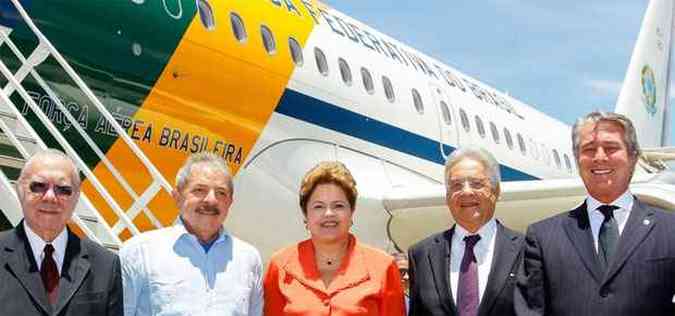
(474, 183)
(42, 188)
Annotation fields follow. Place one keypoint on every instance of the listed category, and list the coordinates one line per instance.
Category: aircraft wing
(419, 212)
(657, 159)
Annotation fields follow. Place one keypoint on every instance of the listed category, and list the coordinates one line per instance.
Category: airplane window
(345, 71)
(388, 89)
(545, 154)
(465, 120)
(296, 51)
(417, 102)
(447, 119)
(567, 163)
(268, 40)
(521, 144)
(495, 132)
(321, 62)
(533, 149)
(238, 27)
(367, 81)
(479, 126)
(509, 140)
(556, 157)
(206, 15)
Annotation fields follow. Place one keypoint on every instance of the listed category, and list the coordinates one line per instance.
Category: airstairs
(23, 140)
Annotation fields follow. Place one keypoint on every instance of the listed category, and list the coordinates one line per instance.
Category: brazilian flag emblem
(648, 89)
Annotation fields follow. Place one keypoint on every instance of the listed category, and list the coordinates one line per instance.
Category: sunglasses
(42, 188)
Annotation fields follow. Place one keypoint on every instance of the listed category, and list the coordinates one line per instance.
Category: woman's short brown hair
(324, 172)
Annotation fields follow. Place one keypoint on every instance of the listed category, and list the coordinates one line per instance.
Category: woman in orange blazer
(331, 273)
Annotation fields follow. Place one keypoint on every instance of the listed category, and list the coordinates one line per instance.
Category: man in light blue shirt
(194, 267)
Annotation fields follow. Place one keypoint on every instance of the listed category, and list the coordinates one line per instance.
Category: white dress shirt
(38, 246)
(167, 272)
(483, 250)
(625, 204)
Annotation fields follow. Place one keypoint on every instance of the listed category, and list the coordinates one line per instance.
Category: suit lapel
(75, 269)
(439, 263)
(578, 229)
(640, 222)
(22, 264)
(505, 254)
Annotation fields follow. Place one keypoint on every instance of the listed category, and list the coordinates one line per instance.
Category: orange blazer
(367, 283)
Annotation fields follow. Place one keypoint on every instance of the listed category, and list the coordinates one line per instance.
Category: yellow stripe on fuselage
(214, 87)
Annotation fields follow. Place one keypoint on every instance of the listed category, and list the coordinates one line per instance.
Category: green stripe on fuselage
(119, 48)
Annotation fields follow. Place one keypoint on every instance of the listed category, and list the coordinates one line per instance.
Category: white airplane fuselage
(224, 77)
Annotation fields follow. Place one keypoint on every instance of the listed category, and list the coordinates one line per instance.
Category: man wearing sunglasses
(46, 269)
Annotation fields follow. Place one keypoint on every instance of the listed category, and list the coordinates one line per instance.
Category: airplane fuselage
(184, 76)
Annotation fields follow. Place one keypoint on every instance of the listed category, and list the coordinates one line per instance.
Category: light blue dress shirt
(167, 272)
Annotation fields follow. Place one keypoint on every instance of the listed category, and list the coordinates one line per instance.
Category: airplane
(130, 88)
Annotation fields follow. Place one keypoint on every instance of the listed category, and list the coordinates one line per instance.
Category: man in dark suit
(469, 269)
(612, 255)
(46, 269)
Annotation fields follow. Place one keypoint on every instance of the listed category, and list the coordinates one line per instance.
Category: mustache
(208, 209)
(48, 206)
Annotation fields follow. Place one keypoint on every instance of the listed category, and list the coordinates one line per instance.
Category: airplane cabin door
(447, 124)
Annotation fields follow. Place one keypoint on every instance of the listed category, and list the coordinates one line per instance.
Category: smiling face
(204, 201)
(48, 195)
(470, 196)
(605, 164)
(328, 214)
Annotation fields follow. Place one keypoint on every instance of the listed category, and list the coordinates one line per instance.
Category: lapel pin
(511, 275)
(645, 222)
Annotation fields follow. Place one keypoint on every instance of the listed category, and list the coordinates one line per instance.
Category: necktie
(467, 289)
(50, 274)
(608, 236)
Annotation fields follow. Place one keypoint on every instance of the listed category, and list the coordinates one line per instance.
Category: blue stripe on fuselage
(9, 16)
(326, 115)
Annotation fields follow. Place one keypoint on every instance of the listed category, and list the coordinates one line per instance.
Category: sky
(565, 58)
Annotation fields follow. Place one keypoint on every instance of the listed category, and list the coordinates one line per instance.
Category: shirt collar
(625, 202)
(38, 245)
(486, 231)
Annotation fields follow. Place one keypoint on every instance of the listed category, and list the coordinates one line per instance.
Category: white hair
(208, 158)
(51, 153)
(478, 154)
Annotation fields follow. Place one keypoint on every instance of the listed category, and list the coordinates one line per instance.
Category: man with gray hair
(194, 267)
(613, 254)
(469, 269)
(46, 268)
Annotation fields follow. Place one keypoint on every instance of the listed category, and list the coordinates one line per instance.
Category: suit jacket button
(604, 292)
(326, 301)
